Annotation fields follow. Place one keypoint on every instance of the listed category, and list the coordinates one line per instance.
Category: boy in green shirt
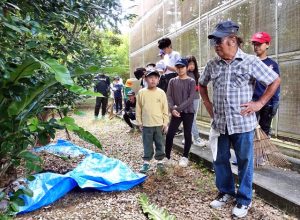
(152, 116)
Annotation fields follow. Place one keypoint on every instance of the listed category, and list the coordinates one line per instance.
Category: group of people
(245, 94)
(107, 89)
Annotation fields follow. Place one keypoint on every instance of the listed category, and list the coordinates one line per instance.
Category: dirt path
(185, 193)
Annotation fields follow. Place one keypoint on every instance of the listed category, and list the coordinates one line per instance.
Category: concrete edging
(279, 200)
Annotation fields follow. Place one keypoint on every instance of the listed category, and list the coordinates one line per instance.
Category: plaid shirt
(233, 85)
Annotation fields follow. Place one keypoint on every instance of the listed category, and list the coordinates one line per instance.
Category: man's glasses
(216, 41)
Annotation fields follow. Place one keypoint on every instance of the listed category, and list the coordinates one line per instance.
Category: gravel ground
(185, 193)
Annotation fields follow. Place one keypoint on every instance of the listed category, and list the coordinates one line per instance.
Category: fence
(189, 22)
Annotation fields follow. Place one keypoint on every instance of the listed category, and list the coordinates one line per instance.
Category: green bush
(49, 55)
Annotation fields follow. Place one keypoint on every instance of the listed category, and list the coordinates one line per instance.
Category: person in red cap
(261, 43)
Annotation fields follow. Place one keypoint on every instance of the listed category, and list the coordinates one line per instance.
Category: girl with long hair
(193, 72)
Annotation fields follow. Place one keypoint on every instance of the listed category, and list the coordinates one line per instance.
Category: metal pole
(276, 54)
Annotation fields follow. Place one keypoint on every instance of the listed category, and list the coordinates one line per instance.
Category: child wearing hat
(261, 43)
(152, 116)
(180, 96)
(129, 113)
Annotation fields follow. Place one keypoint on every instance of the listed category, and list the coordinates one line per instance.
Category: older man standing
(233, 74)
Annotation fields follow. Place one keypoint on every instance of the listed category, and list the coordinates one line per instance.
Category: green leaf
(69, 123)
(31, 178)
(19, 201)
(14, 6)
(33, 124)
(27, 155)
(27, 68)
(18, 193)
(13, 27)
(75, 15)
(154, 212)
(67, 120)
(79, 71)
(25, 29)
(15, 108)
(82, 91)
(87, 136)
(43, 138)
(14, 206)
(62, 74)
(33, 166)
(28, 192)
(90, 70)
(5, 217)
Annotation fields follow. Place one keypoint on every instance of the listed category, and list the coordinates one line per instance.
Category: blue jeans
(243, 147)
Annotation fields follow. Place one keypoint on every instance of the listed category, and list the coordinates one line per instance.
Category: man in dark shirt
(101, 86)
(261, 42)
(130, 109)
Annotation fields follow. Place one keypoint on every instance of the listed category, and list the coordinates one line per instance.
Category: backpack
(165, 79)
(139, 72)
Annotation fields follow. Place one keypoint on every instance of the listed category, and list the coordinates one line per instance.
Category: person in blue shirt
(117, 88)
(261, 43)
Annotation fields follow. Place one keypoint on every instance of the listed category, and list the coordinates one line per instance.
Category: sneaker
(96, 118)
(131, 130)
(183, 162)
(178, 133)
(199, 142)
(145, 168)
(221, 200)
(183, 141)
(169, 162)
(240, 210)
(160, 168)
(234, 162)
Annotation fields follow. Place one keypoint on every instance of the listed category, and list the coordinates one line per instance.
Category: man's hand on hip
(251, 107)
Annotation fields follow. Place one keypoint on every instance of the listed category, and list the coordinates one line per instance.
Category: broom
(265, 151)
(110, 108)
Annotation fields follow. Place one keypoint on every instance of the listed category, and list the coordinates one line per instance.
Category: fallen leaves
(58, 164)
(183, 192)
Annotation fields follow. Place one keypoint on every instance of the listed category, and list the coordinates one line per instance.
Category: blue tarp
(95, 171)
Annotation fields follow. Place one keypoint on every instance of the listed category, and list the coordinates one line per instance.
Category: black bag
(165, 79)
(139, 72)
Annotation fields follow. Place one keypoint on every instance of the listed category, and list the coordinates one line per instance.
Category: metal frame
(207, 15)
